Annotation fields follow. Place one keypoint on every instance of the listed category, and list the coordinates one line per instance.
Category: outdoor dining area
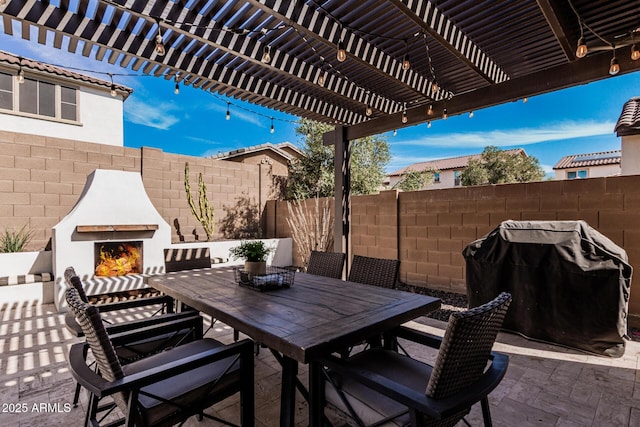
(274, 374)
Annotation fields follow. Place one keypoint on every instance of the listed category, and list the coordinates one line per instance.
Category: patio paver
(546, 385)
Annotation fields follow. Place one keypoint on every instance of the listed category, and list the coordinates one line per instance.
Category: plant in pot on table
(255, 255)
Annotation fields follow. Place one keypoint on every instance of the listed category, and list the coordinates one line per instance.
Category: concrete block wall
(433, 227)
(41, 178)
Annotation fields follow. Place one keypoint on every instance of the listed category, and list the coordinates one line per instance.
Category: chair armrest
(73, 326)
(100, 387)
(138, 302)
(417, 336)
(435, 408)
(144, 331)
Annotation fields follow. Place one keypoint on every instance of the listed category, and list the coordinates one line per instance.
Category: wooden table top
(316, 316)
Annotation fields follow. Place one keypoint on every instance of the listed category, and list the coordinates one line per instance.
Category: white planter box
(19, 263)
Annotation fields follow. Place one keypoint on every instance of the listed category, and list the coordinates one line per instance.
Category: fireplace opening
(118, 258)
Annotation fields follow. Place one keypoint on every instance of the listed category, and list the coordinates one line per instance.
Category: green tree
(496, 166)
(313, 174)
(415, 180)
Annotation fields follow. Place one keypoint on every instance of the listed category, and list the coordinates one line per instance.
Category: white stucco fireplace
(113, 217)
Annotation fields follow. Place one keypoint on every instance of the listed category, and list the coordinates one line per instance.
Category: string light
(395, 132)
(272, 128)
(581, 50)
(321, 79)
(635, 53)
(429, 125)
(435, 87)
(368, 111)
(342, 53)
(405, 119)
(444, 114)
(160, 50)
(525, 100)
(406, 64)
(614, 66)
(471, 114)
(430, 110)
(266, 55)
(113, 87)
(228, 116)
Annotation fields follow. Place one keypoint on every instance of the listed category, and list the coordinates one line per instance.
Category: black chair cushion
(187, 388)
(369, 405)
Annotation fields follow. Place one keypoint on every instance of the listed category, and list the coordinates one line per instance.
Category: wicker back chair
(165, 388)
(374, 271)
(414, 393)
(328, 264)
(171, 329)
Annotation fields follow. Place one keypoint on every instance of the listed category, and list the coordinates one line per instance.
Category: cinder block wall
(427, 230)
(41, 179)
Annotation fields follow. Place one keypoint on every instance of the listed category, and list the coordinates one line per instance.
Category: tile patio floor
(546, 385)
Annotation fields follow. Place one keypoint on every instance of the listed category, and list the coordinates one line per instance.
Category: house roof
(629, 120)
(449, 163)
(479, 53)
(589, 159)
(16, 61)
(280, 149)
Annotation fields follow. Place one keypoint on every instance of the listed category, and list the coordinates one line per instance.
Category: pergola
(365, 66)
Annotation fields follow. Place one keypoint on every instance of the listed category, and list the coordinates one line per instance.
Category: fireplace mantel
(115, 227)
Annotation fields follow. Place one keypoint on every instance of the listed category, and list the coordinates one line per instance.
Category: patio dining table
(314, 317)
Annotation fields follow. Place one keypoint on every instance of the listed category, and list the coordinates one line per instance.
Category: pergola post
(342, 191)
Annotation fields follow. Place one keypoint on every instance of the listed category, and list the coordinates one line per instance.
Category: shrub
(15, 240)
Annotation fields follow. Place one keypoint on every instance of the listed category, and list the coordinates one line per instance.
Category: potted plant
(254, 254)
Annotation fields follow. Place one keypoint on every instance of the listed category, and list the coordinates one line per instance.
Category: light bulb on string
(406, 63)
(272, 128)
(444, 114)
(341, 55)
(635, 53)
(266, 55)
(435, 87)
(228, 116)
(614, 66)
(395, 132)
(430, 110)
(368, 111)
(471, 114)
(429, 125)
(525, 100)
(177, 89)
(160, 50)
(113, 87)
(404, 117)
(321, 79)
(582, 49)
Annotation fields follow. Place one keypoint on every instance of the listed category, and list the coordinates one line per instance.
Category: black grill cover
(570, 284)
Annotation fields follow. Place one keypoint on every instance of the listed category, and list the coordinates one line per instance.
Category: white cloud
(514, 137)
(153, 115)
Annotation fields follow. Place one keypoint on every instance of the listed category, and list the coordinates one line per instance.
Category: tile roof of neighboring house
(589, 159)
(30, 64)
(629, 120)
(460, 162)
(278, 148)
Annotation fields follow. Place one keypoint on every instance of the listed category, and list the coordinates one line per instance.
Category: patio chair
(328, 264)
(374, 271)
(381, 385)
(178, 328)
(163, 389)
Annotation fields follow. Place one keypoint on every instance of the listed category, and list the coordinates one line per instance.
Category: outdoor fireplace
(114, 259)
(102, 221)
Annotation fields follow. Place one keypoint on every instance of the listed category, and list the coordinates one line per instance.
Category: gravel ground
(452, 301)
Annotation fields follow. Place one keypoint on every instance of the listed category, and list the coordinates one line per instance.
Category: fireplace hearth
(113, 259)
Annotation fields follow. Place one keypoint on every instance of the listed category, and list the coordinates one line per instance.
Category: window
(436, 177)
(37, 97)
(456, 178)
(582, 173)
(6, 91)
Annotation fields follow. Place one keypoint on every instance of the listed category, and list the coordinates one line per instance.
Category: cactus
(204, 214)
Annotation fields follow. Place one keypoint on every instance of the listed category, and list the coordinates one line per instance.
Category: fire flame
(118, 262)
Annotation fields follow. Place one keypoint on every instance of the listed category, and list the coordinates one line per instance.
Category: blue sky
(571, 121)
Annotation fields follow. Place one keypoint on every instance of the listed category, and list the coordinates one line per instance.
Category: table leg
(316, 395)
(288, 392)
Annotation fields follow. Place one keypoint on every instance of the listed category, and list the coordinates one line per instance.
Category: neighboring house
(447, 171)
(42, 99)
(278, 156)
(589, 165)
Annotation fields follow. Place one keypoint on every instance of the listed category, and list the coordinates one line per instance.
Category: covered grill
(570, 284)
